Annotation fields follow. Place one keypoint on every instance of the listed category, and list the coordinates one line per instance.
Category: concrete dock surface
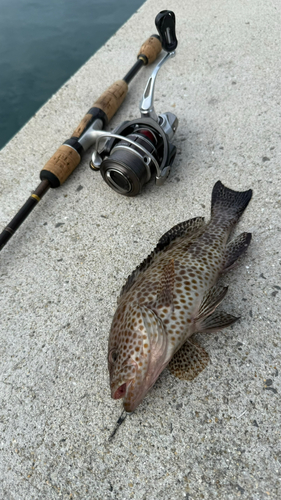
(217, 437)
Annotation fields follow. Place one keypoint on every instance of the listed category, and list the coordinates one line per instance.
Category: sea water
(43, 43)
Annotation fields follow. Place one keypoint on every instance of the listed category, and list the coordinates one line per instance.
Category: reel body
(139, 149)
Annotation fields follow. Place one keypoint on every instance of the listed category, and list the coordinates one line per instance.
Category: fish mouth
(121, 390)
(135, 396)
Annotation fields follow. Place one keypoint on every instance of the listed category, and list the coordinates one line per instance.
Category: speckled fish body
(173, 295)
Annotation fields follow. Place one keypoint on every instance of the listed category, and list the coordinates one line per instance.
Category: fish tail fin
(231, 204)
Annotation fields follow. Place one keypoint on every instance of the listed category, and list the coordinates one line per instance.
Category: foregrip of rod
(109, 102)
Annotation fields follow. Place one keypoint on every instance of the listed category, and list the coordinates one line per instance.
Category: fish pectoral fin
(165, 289)
(215, 322)
(189, 361)
(235, 248)
(211, 299)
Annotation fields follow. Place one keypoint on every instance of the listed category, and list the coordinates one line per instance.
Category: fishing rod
(69, 154)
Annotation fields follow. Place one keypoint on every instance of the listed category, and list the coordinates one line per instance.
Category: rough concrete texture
(217, 437)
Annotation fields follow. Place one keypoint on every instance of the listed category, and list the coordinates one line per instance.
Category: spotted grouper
(173, 295)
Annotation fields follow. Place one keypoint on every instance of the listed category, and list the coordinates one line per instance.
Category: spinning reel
(138, 149)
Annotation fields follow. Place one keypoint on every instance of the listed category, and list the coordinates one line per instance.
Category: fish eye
(113, 355)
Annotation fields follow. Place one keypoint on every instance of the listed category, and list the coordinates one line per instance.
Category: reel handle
(165, 23)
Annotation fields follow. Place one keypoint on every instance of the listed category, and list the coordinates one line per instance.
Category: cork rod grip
(108, 102)
(62, 163)
(151, 48)
(112, 98)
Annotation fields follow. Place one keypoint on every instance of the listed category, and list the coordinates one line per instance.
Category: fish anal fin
(235, 248)
(216, 321)
(211, 299)
(165, 289)
(189, 361)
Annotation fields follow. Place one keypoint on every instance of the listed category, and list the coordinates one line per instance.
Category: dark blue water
(42, 43)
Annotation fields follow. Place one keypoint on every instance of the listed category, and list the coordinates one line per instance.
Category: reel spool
(127, 167)
(141, 148)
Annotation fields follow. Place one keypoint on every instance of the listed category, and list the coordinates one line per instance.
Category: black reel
(139, 149)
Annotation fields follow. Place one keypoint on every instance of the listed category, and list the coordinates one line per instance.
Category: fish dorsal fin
(139, 270)
(189, 361)
(187, 228)
(165, 290)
